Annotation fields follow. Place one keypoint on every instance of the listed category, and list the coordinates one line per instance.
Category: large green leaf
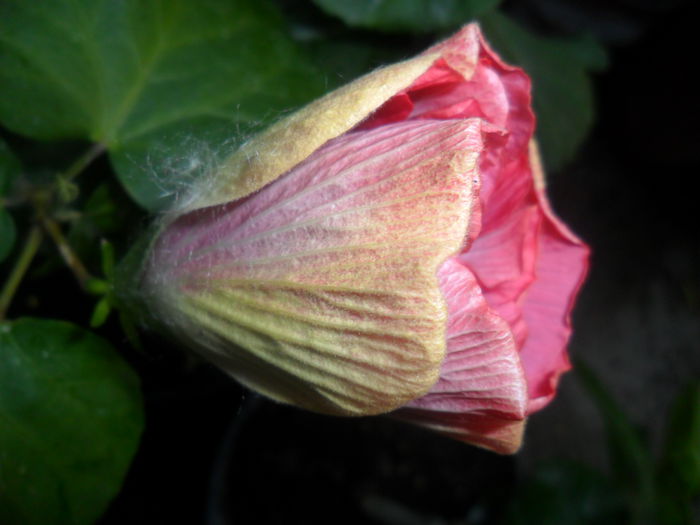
(562, 89)
(418, 16)
(9, 171)
(70, 421)
(166, 85)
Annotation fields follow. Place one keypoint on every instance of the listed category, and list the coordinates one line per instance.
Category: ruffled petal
(504, 260)
(562, 266)
(481, 396)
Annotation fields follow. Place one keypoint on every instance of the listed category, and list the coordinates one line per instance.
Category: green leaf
(682, 451)
(631, 459)
(106, 211)
(166, 85)
(565, 493)
(70, 421)
(102, 214)
(418, 16)
(107, 252)
(679, 472)
(8, 234)
(100, 313)
(562, 88)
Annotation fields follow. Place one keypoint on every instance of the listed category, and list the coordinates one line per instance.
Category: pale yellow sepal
(289, 141)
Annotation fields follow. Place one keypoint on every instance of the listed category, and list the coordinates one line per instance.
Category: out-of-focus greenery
(678, 473)
(565, 492)
(71, 420)
(640, 490)
(411, 16)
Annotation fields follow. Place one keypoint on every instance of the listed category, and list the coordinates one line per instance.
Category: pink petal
(561, 269)
(503, 260)
(528, 266)
(468, 81)
(396, 109)
(490, 431)
(481, 396)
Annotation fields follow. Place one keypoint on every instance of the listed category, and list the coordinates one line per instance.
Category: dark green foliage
(71, 419)
(412, 16)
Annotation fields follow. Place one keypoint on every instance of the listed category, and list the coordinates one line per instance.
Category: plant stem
(54, 230)
(35, 237)
(24, 260)
(69, 257)
(84, 161)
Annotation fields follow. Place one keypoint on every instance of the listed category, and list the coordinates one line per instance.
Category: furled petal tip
(388, 248)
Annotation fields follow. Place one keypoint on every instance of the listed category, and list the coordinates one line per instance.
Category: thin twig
(35, 237)
(24, 260)
(69, 257)
(54, 230)
(83, 161)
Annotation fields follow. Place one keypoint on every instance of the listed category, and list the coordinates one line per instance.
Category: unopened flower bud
(387, 249)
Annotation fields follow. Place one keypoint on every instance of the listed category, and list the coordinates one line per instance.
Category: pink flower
(388, 248)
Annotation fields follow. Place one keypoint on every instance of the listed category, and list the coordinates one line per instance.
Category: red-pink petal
(481, 396)
(528, 266)
(503, 260)
(561, 268)
(483, 429)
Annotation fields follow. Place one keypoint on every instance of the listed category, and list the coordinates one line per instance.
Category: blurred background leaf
(679, 476)
(144, 77)
(416, 16)
(70, 421)
(682, 450)
(562, 87)
(565, 493)
(630, 457)
(341, 52)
